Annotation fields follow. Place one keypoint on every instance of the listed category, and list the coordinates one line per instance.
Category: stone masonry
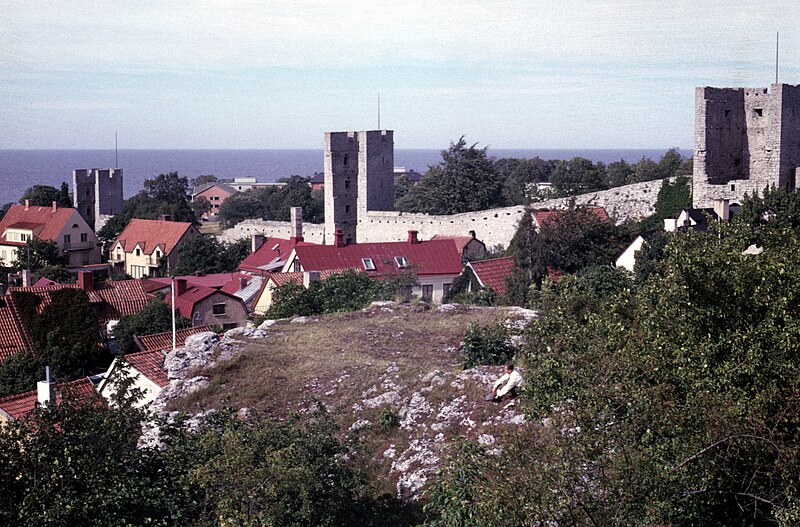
(97, 194)
(746, 139)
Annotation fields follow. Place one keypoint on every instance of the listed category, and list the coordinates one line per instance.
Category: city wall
(493, 227)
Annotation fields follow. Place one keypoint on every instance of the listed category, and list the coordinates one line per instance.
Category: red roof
(20, 405)
(163, 341)
(41, 282)
(432, 257)
(45, 222)
(493, 273)
(461, 241)
(150, 364)
(149, 234)
(185, 303)
(215, 281)
(111, 300)
(280, 279)
(270, 256)
(13, 335)
(234, 285)
(544, 215)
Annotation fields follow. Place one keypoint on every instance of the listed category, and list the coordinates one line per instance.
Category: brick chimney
(180, 286)
(256, 241)
(242, 283)
(46, 389)
(55, 206)
(338, 238)
(296, 214)
(86, 281)
(412, 237)
(472, 233)
(27, 204)
(165, 217)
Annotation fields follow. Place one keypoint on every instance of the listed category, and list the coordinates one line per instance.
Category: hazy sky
(235, 74)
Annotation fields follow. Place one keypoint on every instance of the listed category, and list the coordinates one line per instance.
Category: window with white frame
(401, 261)
(369, 265)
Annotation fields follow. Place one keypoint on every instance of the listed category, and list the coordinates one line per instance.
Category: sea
(21, 169)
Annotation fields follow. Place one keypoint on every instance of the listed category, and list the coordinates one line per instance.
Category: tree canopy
(155, 317)
(203, 253)
(45, 195)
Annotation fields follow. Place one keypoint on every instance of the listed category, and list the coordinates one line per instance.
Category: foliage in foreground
(79, 464)
(155, 317)
(674, 403)
(486, 345)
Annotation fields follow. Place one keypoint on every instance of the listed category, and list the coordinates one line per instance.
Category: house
(436, 262)
(62, 225)
(162, 284)
(542, 216)
(19, 406)
(216, 194)
(318, 181)
(207, 306)
(411, 175)
(270, 254)
(627, 260)
(490, 274)
(243, 184)
(697, 219)
(263, 299)
(139, 249)
(146, 373)
(244, 286)
(110, 300)
(469, 247)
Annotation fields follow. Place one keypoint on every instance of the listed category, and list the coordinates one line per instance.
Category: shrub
(486, 345)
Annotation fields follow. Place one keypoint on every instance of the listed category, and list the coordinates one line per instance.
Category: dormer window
(369, 265)
(275, 247)
(138, 252)
(401, 261)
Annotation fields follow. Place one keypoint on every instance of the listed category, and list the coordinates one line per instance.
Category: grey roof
(206, 186)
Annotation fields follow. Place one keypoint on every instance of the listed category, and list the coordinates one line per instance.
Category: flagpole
(174, 335)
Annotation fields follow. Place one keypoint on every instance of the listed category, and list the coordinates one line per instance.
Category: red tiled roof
(270, 256)
(234, 285)
(215, 281)
(163, 341)
(280, 279)
(44, 221)
(185, 302)
(544, 215)
(13, 334)
(20, 405)
(150, 234)
(461, 241)
(493, 273)
(150, 364)
(432, 257)
(111, 300)
(41, 282)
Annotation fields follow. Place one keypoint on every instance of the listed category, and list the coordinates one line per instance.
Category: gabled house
(19, 406)
(207, 306)
(490, 274)
(162, 284)
(139, 249)
(244, 286)
(436, 262)
(627, 260)
(263, 300)
(163, 341)
(62, 225)
(145, 370)
(469, 247)
(267, 255)
(216, 194)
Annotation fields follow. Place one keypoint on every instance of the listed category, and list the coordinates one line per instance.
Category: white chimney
(256, 241)
(722, 209)
(670, 224)
(296, 215)
(46, 389)
(27, 278)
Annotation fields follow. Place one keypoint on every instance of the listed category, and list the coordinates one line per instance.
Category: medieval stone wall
(493, 227)
(97, 194)
(341, 181)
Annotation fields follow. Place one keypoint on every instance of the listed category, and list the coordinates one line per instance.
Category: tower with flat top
(97, 194)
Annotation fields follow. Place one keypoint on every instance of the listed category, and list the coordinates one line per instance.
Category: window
(347, 209)
(733, 188)
(758, 111)
(84, 237)
(346, 183)
(218, 309)
(226, 327)
(74, 225)
(369, 265)
(346, 157)
(446, 289)
(85, 256)
(67, 238)
(427, 292)
(401, 261)
(138, 252)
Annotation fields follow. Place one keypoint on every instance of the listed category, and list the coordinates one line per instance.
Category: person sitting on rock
(506, 386)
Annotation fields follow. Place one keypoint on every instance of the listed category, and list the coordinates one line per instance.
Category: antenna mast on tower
(116, 151)
(777, 42)
(379, 110)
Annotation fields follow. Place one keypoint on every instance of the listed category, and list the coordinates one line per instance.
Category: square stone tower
(97, 194)
(746, 139)
(359, 176)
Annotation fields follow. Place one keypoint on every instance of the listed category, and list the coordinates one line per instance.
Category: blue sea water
(20, 169)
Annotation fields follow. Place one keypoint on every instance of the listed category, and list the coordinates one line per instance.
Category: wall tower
(359, 177)
(97, 194)
(746, 139)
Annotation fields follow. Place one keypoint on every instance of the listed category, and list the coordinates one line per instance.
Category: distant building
(64, 226)
(97, 194)
(140, 247)
(207, 306)
(243, 184)
(469, 247)
(215, 194)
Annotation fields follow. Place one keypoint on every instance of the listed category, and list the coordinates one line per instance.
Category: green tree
(465, 180)
(619, 173)
(38, 254)
(155, 317)
(517, 175)
(672, 198)
(578, 176)
(240, 206)
(200, 206)
(19, 373)
(45, 195)
(56, 273)
(203, 253)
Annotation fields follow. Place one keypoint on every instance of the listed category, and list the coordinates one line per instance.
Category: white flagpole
(174, 335)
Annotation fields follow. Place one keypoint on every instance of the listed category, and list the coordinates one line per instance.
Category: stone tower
(97, 194)
(746, 139)
(359, 177)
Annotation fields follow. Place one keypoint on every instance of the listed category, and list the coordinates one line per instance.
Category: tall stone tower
(97, 194)
(746, 139)
(359, 177)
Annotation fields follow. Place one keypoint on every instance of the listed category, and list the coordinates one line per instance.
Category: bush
(486, 345)
(387, 420)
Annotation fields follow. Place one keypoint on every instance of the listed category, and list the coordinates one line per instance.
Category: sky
(273, 74)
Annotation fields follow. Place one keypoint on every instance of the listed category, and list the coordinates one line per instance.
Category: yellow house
(141, 246)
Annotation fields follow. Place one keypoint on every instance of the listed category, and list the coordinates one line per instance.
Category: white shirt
(511, 380)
